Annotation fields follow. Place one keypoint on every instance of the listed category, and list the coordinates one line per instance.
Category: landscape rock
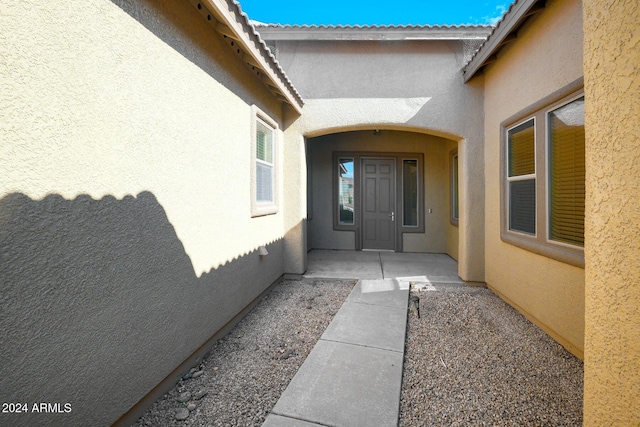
(184, 397)
(472, 360)
(182, 414)
(200, 394)
(242, 375)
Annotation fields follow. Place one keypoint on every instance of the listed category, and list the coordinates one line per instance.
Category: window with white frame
(543, 190)
(264, 167)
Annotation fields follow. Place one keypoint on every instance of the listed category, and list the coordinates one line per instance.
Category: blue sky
(375, 12)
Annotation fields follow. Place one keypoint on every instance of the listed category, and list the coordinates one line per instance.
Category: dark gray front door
(378, 203)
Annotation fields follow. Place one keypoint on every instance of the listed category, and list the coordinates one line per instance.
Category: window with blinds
(521, 177)
(543, 177)
(264, 158)
(264, 162)
(567, 173)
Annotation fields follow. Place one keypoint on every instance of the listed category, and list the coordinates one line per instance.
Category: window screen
(522, 206)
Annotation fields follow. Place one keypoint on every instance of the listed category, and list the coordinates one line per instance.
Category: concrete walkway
(353, 375)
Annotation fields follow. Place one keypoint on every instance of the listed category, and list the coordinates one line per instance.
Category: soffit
(228, 19)
(275, 32)
(504, 32)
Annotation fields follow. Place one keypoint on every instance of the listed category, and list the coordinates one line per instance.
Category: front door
(378, 203)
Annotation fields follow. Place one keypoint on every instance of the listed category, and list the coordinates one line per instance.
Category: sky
(375, 12)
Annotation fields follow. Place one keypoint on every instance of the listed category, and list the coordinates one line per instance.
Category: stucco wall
(320, 229)
(391, 85)
(546, 56)
(126, 236)
(612, 336)
(453, 238)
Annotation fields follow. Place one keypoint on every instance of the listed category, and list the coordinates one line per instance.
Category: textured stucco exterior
(549, 292)
(126, 236)
(411, 86)
(612, 335)
(452, 235)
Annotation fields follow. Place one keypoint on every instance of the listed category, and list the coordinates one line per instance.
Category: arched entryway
(381, 189)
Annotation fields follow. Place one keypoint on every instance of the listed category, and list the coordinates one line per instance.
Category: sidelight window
(346, 195)
(410, 192)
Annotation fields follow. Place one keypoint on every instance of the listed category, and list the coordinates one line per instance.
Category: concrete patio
(435, 268)
(353, 375)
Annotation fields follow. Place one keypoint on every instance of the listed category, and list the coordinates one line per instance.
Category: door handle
(393, 216)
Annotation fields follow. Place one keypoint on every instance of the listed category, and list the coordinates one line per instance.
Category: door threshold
(377, 250)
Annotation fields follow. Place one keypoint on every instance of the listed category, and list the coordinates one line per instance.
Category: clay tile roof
(372, 32)
(228, 19)
(504, 32)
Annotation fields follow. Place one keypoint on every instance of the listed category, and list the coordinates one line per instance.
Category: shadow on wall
(179, 25)
(99, 303)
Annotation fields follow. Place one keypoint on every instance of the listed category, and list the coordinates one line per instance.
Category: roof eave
(226, 17)
(503, 33)
(276, 32)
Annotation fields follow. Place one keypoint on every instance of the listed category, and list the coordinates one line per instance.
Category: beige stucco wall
(546, 56)
(453, 237)
(612, 335)
(126, 233)
(411, 86)
(321, 234)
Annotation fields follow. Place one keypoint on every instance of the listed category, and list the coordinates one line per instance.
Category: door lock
(393, 216)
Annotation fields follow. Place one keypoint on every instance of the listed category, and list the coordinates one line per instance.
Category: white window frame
(261, 208)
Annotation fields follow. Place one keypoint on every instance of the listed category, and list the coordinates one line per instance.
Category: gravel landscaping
(247, 371)
(470, 360)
